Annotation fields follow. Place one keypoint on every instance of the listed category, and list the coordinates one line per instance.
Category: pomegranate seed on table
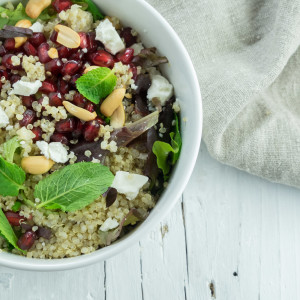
(64, 52)
(14, 218)
(54, 66)
(63, 86)
(65, 126)
(26, 240)
(27, 101)
(43, 53)
(9, 44)
(60, 138)
(30, 49)
(29, 117)
(61, 5)
(126, 56)
(48, 87)
(90, 107)
(55, 99)
(71, 67)
(2, 51)
(91, 129)
(128, 37)
(102, 58)
(37, 39)
(74, 79)
(78, 131)
(37, 131)
(79, 100)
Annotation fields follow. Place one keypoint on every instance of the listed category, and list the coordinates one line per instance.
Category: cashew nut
(117, 119)
(36, 165)
(19, 41)
(35, 7)
(79, 112)
(112, 102)
(53, 53)
(67, 36)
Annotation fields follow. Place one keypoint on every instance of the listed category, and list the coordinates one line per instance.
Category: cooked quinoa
(76, 233)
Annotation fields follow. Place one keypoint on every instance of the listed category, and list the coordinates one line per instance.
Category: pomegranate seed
(27, 101)
(133, 70)
(100, 121)
(48, 87)
(40, 101)
(77, 132)
(2, 51)
(9, 44)
(63, 52)
(43, 53)
(90, 107)
(63, 86)
(6, 62)
(60, 138)
(102, 58)
(74, 79)
(65, 126)
(14, 78)
(83, 40)
(54, 66)
(55, 99)
(37, 39)
(3, 73)
(38, 134)
(126, 56)
(29, 117)
(70, 67)
(30, 49)
(91, 130)
(53, 37)
(61, 5)
(91, 44)
(128, 37)
(26, 240)
(79, 100)
(77, 56)
(14, 218)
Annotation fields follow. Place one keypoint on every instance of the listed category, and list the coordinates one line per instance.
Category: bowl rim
(31, 264)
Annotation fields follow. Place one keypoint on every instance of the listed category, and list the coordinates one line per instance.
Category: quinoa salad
(89, 128)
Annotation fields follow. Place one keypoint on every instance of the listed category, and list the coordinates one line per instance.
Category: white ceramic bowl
(155, 31)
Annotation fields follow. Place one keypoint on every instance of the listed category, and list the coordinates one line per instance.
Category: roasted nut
(19, 41)
(112, 102)
(79, 112)
(90, 68)
(117, 119)
(128, 96)
(53, 53)
(67, 36)
(36, 165)
(35, 7)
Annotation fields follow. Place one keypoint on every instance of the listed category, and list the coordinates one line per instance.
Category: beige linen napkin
(247, 59)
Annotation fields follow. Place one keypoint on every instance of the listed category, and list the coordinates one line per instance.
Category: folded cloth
(247, 57)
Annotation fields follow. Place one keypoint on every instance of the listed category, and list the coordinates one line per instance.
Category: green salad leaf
(167, 154)
(16, 207)
(10, 148)
(91, 7)
(96, 84)
(73, 187)
(12, 178)
(7, 232)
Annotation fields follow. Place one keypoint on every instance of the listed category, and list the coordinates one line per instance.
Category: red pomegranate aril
(63, 52)
(90, 107)
(61, 5)
(83, 40)
(77, 133)
(3, 73)
(14, 78)
(53, 37)
(55, 99)
(9, 44)
(91, 130)
(100, 121)
(65, 126)
(133, 70)
(48, 87)
(91, 41)
(74, 79)
(37, 39)
(70, 67)
(79, 100)
(14, 218)
(29, 117)
(63, 86)
(43, 53)
(7, 62)
(30, 49)
(27, 101)
(128, 37)
(78, 56)
(2, 51)
(40, 101)
(37, 131)
(26, 240)
(60, 138)
(54, 66)
(126, 56)
(102, 58)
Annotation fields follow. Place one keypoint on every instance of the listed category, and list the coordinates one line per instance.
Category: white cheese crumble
(138, 47)
(56, 151)
(160, 89)
(24, 88)
(109, 224)
(108, 35)
(129, 184)
(37, 27)
(4, 120)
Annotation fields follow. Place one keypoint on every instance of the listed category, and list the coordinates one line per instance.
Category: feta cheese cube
(129, 184)
(137, 47)
(55, 151)
(109, 224)
(108, 35)
(24, 88)
(3, 118)
(160, 89)
(37, 27)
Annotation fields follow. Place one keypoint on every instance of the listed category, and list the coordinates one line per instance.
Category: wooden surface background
(232, 236)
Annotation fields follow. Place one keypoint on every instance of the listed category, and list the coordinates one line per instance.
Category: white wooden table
(231, 236)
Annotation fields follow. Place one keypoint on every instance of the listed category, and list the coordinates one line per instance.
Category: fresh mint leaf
(10, 148)
(16, 207)
(91, 7)
(74, 186)
(7, 232)
(12, 178)
(96, 84)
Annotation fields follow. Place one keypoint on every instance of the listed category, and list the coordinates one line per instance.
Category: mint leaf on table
(12, 178)
(7, 232)
(73, 187)
(97, 84)
(91, 7)
(10, 148)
